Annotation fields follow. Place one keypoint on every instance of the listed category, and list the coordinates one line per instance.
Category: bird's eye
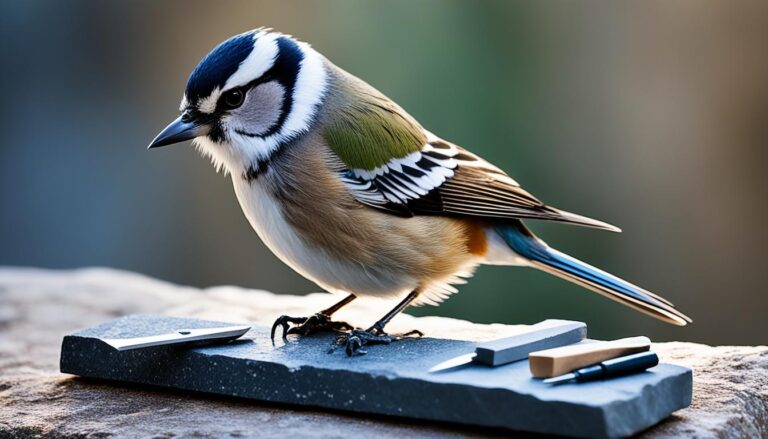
(233, 98)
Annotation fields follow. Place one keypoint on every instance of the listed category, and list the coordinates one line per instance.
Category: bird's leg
(355, 339)
(317, 322)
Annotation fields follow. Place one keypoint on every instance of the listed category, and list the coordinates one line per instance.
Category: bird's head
(248, 97)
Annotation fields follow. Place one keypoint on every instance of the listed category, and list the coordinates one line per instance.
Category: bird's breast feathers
(360, 250)
(311, 260)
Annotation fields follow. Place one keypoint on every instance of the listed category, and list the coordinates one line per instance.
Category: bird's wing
(391, 163)
(445, 179)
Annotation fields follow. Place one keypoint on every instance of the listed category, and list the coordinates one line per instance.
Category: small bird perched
(350, 191)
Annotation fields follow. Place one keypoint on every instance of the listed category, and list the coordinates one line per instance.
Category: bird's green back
(367, 129)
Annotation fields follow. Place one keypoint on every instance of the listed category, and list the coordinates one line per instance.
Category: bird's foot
(307, 325)
(354, 340)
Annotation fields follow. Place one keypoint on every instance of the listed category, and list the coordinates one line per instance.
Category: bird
(350, 191)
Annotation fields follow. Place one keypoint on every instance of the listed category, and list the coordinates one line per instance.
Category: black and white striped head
(248, 97)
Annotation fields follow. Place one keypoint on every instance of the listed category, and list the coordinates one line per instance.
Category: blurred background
(649, 115)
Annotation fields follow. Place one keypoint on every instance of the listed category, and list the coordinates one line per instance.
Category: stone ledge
(38, 307)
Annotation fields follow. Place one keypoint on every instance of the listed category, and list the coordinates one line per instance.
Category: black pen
(610, 368)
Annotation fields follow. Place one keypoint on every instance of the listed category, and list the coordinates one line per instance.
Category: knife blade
(200, 336)
(543, 335)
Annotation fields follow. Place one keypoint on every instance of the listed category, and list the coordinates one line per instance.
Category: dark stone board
(389, 380)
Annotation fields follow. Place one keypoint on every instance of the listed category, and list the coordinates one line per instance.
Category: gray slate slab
(390, 380)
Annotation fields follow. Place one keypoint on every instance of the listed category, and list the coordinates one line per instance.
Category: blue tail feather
(525, 244)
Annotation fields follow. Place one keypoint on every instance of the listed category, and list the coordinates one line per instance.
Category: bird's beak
(178, 131)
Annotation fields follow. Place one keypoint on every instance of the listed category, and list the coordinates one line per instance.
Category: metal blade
(180, 337)
(560, 379)
(455, 362)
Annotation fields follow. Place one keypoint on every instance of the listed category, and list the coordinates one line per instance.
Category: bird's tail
(543, 257)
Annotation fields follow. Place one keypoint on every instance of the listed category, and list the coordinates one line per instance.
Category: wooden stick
(557, 361)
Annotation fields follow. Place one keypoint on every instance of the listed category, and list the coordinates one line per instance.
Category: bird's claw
(354, 340)
(318, 322)
(306, 325)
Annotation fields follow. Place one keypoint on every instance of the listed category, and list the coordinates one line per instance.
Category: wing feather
(445, 179)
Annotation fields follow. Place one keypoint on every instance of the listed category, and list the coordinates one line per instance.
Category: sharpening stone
(545, 335)
(390, 380)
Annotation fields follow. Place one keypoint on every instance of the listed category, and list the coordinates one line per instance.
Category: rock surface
(38, 307)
